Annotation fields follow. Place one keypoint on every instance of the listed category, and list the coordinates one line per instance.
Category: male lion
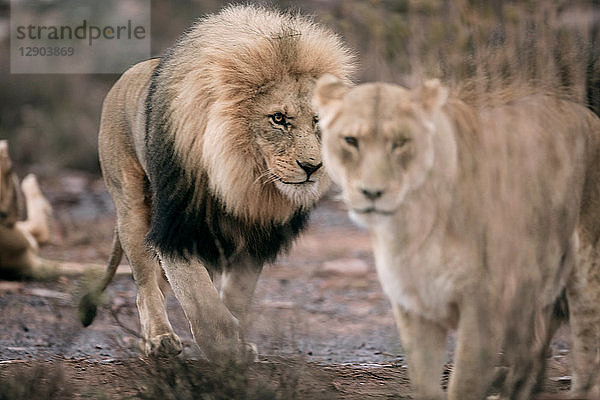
(212, 157)
(480, 219)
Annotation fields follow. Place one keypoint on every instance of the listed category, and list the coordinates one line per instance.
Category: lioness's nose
(372, 194)
(309, 168)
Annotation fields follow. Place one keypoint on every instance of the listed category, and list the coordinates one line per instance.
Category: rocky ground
(322, 325)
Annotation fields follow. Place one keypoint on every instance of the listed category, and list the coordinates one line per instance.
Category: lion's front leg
(237, 287)
(214, 327)
(237, 290)
(424, 342)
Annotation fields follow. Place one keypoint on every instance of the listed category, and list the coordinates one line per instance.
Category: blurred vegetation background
(51, 121)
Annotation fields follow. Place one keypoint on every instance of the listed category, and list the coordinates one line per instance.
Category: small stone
(345, 266)
(565, 378)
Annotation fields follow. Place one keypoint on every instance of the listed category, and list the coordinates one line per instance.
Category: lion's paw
(166, 344)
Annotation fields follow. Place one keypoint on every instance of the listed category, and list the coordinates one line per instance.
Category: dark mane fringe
(210, 233)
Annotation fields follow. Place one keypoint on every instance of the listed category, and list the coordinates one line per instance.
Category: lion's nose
(309, 168)
(372, 194)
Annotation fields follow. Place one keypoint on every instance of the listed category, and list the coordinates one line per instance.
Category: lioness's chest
(427, 282)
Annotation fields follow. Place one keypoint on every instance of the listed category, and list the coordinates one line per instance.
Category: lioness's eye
(352, 141)
(278, 118)
(400, 143)
(315, 120)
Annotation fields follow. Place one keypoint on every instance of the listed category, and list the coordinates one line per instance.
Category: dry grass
(41, 382)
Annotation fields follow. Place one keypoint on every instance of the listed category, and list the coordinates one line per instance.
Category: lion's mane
(203, 168)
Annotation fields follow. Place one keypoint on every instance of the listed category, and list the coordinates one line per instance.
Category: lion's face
(287, 135)
(378, 145)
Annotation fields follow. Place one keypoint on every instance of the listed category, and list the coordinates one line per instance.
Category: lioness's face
(377, 146)
(287, 133)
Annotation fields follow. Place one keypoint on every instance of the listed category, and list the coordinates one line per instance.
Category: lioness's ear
(329, 91)
(432, 95)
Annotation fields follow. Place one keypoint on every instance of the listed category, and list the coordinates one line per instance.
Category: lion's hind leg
(157, 333)
(133, 219)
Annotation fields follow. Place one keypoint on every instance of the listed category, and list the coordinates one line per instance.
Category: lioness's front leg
(476, 350)
(215, 329)
(425, 343)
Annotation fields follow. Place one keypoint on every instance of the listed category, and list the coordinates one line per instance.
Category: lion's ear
(432, 95)
(329, 92)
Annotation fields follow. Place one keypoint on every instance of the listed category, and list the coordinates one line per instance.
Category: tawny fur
(476, 215)
(204, 176)
(20, 239)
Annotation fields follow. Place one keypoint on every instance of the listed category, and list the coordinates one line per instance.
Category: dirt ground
(322, 325)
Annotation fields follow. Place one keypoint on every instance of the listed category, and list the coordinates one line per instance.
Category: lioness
(20, 238)
(480, 219)
(212, 156)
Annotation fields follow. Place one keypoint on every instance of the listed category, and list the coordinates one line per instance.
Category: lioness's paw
(163, 345)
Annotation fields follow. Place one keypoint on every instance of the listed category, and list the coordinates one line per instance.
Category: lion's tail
(89, 303)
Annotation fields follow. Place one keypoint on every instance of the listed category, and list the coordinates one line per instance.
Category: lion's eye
(315, 120)
(352, 141)
(399, 143)
(278, 118)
